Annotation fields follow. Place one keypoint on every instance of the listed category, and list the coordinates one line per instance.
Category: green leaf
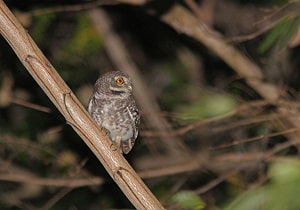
(281, 33)
(281, 192)
(210, 105)
(285, 170)
(188, 200)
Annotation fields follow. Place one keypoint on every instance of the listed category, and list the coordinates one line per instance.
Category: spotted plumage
(113, 107)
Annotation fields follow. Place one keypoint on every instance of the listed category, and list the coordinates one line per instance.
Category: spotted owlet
(113, 107)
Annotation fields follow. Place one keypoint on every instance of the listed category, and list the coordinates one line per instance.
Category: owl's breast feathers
(120, 117)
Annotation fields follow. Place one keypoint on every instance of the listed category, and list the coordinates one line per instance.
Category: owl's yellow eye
(120, 80)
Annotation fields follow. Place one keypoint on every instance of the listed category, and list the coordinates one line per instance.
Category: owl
(113, 108)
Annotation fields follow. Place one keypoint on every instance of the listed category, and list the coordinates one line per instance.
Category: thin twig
(83, 6)
(215, 182)
(50, 203)
(54, 182)
(291, 8)
(30, 105)
(242, 141)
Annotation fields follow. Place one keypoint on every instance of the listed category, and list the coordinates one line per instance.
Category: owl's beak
(129, 88)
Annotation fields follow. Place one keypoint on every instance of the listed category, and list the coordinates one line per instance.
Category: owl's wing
(135, 116)
(94, 108)
(92, 105)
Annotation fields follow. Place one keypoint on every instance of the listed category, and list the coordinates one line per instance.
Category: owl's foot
(116, 145)
(105, 131)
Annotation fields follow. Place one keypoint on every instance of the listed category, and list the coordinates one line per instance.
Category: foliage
(188, 200)
(281, 33)
(209, 105)
(281, 192)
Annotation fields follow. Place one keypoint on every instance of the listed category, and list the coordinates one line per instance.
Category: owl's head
(115, 82)
(120, 84)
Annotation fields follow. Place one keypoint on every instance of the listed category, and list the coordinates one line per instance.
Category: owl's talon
(105, 130)
(115, 147)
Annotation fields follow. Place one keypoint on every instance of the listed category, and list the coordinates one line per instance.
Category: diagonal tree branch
(75, 114)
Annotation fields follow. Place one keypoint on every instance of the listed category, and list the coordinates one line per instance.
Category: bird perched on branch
(113, 108)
